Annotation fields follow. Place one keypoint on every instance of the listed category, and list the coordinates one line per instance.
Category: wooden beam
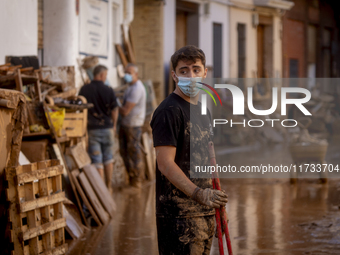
(75, 174)
(43, 229)
(66, 94)
(37, 88)
(102, 214)
(131, 41)
(121, 55)
(26, 69)
(7, 104)
(100, 188)
(16, 222)
(41, 202)
(32, 222)
(18, 81)
(39, 174)
(59, 234)
(80, 155)
(56, 251)
(44, 191)
(128, 48)
(146, 144)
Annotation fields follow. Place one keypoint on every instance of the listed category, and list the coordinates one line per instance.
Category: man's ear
(205, 73)
(174, 76)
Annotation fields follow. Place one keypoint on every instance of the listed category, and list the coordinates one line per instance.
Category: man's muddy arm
(166, 164)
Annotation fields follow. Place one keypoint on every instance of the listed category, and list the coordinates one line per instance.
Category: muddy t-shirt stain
(178, 123)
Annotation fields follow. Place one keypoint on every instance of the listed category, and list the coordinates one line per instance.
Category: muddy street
(267, 216)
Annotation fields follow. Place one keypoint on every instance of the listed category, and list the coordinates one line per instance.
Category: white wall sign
(93, 35)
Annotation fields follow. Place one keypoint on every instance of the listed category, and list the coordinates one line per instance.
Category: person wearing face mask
(130, 133)
(185, 207)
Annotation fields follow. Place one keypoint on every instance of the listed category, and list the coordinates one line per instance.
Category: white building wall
(115, 19)
(19, 28)
(238, 15)
(219, 13)
(169, 36)
(60, 33)
(61, 36)
(169, 30)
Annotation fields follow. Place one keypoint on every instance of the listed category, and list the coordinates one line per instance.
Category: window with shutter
(241, 52)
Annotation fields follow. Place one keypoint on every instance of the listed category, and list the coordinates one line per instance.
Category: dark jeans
(185, 236)
(131, 152)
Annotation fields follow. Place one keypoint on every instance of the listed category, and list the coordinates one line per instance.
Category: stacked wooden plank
(150, 156)
(127, 53)
(90, 186)
(36, 208)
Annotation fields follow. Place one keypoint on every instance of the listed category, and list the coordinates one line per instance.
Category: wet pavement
(267, 216)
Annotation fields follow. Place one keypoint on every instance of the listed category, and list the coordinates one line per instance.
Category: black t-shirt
(104, 100)
(178, 123)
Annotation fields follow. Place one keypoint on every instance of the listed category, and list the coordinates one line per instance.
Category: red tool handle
(219, 230)
(222, 215)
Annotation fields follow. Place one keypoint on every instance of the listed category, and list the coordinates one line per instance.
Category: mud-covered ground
(267, 216)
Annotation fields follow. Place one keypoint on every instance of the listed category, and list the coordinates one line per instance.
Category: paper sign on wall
(93, 28)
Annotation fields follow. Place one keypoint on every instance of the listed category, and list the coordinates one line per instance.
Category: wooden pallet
(36, 208)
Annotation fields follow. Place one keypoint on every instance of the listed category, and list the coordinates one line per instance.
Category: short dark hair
(98, 69)
(187, 53)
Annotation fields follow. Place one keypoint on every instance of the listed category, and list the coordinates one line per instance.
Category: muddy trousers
(131, 152)
(185, 236)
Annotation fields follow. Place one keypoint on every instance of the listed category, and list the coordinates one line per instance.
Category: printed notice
(93, 28)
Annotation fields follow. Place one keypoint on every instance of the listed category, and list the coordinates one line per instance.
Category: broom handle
(222, 211)
(219, 230)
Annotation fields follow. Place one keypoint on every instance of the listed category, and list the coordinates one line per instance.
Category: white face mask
(189, 85)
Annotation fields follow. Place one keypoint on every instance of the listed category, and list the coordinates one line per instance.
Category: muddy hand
(210, 197)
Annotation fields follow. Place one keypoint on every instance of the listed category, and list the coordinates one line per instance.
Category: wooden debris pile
(48, 217)
(36, 208)
(35, 230)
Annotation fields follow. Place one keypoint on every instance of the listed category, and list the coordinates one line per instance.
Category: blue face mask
(189, 85)
(128, 78)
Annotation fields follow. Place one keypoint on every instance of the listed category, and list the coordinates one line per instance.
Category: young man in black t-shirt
(184, 206)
